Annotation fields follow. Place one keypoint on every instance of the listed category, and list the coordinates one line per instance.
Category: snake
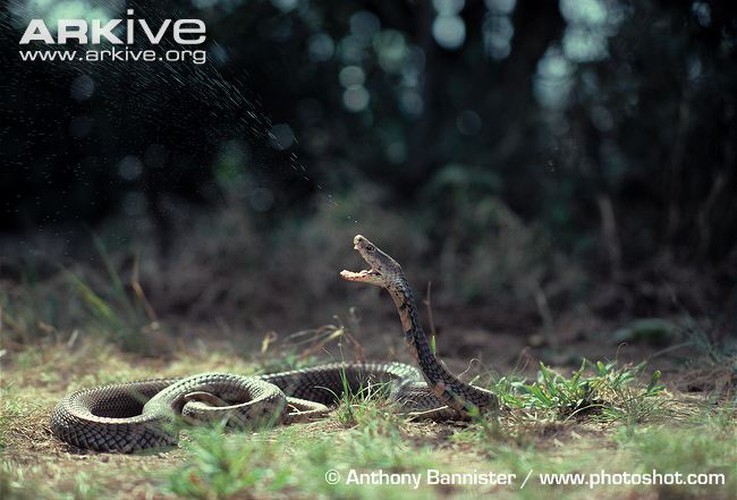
(135, 416)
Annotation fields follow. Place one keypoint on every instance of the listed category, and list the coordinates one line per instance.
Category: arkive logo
(117, 40)
(181, 31)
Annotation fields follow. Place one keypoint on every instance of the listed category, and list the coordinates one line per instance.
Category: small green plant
(599, 387)
(567, 395)
(221, 467)
(369, 404)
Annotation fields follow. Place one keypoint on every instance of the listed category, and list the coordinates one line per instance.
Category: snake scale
(134, 416)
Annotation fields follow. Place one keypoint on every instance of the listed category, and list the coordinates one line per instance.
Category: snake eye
(369, 248)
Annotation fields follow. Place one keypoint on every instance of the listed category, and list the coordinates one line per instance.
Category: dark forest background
(532, 159)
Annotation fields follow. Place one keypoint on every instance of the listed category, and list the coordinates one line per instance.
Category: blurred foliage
(603, 128)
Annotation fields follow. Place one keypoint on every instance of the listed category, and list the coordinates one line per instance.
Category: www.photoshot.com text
(602, 478)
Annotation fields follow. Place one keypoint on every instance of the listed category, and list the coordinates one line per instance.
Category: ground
(621, 443)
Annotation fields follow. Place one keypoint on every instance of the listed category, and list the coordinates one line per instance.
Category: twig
(609, 231)
(138, 290)
(544, 309)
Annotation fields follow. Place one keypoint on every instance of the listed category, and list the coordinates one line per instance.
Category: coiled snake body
(134, 416)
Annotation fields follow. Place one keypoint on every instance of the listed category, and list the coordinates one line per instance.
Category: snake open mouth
(369, 253)
(365, 275)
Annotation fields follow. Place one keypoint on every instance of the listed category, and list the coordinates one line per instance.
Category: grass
(291, 461)
(107, 306)
(589, 420)
(596, 419)
(607, 390)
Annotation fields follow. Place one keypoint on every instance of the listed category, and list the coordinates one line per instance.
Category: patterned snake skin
(135, 416)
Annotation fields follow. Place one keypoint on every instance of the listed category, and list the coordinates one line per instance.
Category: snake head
(383, 269)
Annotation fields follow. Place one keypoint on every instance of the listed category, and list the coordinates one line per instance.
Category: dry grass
(219, 300)
(291, 461)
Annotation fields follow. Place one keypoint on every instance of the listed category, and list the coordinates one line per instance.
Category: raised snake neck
(447, 387)
(388, 274)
